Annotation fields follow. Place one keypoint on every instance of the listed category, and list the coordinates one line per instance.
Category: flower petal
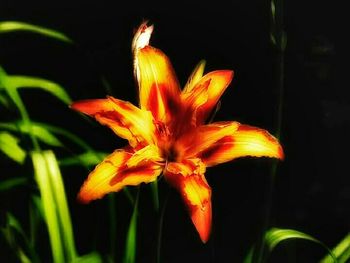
(188, 178)
(112, 174)
(125, 119)
(203, 137)
(206, 93)
(245, 141)
(159, 89)
(196, 75)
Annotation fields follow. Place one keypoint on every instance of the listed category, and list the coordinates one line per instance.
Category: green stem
(160, 228)
(279, 42)
(113, 228)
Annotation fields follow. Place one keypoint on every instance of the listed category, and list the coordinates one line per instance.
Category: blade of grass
(88, 159)
(49, 206)
(275, 236)
(39, 83)
(130, 246)
(15, 97)
(9, 146)
(92, 257)
(40, 132)
(57, 188)
(12, 183)
(341, 251)
(13, 26)
(12, 229)
(4, 100)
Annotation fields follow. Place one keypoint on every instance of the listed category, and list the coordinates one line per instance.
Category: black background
(311, 190)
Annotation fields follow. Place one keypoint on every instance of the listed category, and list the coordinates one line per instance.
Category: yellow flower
(167, 133)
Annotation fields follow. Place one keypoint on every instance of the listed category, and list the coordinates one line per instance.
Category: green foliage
(131, 240)
(13, 26)
(9, 146)
(275, 236)
(341, 251)
(12, 183)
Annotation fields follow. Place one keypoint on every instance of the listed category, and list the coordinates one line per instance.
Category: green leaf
(4, 100)
(35, 129)
(53, 88)
(70, 136)
(13, 26)
(274, 236)
(130, 247)
(92, 257)
(9, 146)
(57, 188)
(12, 183)
(49, 206)
(341, 251)
(87, 159)
(249, 257)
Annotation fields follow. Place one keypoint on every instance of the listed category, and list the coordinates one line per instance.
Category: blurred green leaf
(11, 232)
(341, 251)
(88, 159)
(130, 247)
(9, 146)
(13, 26)
(274, 236)
(53, 88)
(55, 205)
(57, 188)
(12, 183)
(4, 101)
(69, 135)
(49, 206)
(250, 256)
(36, 129)
(92, 257)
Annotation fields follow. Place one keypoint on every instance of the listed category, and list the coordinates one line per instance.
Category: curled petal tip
(142, 36)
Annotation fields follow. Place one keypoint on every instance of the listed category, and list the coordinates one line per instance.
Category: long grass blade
(9, 145)
(13, 26)
(341, 251)
(16, 99)
(49, 206)
(130, 247)
(92, 257)
(40, 83)
(57, 188)
(87, 159)
(9, 184)
(36, 129)
(274, 236)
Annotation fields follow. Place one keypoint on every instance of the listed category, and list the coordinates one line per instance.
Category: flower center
(165, 142)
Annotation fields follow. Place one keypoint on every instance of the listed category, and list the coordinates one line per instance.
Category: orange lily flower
(167, 133)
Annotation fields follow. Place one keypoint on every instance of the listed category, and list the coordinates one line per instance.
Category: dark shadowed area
(311, 190)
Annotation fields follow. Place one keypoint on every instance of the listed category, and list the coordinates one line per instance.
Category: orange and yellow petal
(188, 178)
(159, 89)
(196, 75)
(113, 173)
(203, 137)
(245, 141)
(206, 93)
(125, 119)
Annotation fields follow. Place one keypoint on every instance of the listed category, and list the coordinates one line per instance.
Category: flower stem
(160, 228)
